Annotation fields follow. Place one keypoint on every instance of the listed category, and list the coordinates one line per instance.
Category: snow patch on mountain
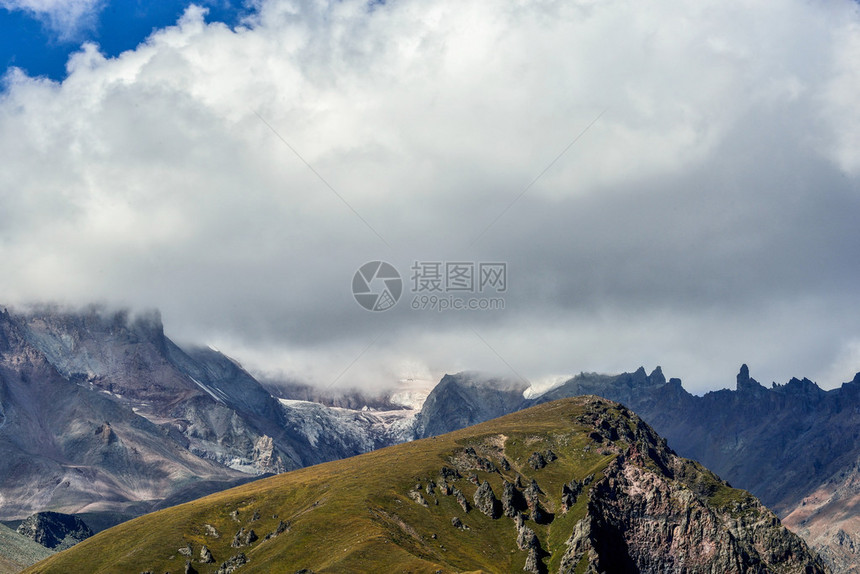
(358, 430)
(411, 393)
(221, 399)
(544, 385)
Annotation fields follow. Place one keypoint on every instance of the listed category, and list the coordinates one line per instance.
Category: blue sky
(30, 42)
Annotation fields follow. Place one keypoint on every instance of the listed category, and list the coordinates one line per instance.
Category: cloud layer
(707, 218)
(65, 17)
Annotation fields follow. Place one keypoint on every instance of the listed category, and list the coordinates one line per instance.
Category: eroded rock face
(418, 497)
(55, 530)
(233, 564)
(676, 531)
(461, 499)
(533, 564)
(526, 538)
(536, 512)
(486, 501)
(829, 519)
(512, 500)
(537, 461)
(569, 493)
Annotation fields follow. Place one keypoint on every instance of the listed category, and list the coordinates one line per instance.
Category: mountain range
(575, 485)
(103, 416)
(795, 446)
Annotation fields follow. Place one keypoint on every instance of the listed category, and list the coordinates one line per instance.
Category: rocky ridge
(54, 530)
(611, 497)
(794, 445)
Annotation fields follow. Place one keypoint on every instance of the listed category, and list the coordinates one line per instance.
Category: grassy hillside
(387, 511)
(17, 552)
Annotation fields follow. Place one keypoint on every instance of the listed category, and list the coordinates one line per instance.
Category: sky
(662, 183)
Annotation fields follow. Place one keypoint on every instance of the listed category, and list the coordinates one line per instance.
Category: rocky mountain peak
(746, 384)
(180, 424)
(55, 530)
(656, 377)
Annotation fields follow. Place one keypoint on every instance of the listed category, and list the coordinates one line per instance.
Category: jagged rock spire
(747, 383)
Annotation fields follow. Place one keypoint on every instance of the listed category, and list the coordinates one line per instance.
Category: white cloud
(839, 99)
(65, 17)
(719, 182)
(846, 361)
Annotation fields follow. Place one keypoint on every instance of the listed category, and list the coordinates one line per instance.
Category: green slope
(368, 513)
(18, 552)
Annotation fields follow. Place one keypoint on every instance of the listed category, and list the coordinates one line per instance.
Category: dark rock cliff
(55, 530)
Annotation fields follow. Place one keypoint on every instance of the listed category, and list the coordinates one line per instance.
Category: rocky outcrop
(512, 500)
(244, 538)
(537, 461)
(486, 501)
(470, 460)
(415, 494)
(233, 564)
(461, 499)
(281, 528)
(526, 538)
(532, 497)
(648, 510)
(569, 493)
(55, 530)
(533, 564)
(638, 520)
